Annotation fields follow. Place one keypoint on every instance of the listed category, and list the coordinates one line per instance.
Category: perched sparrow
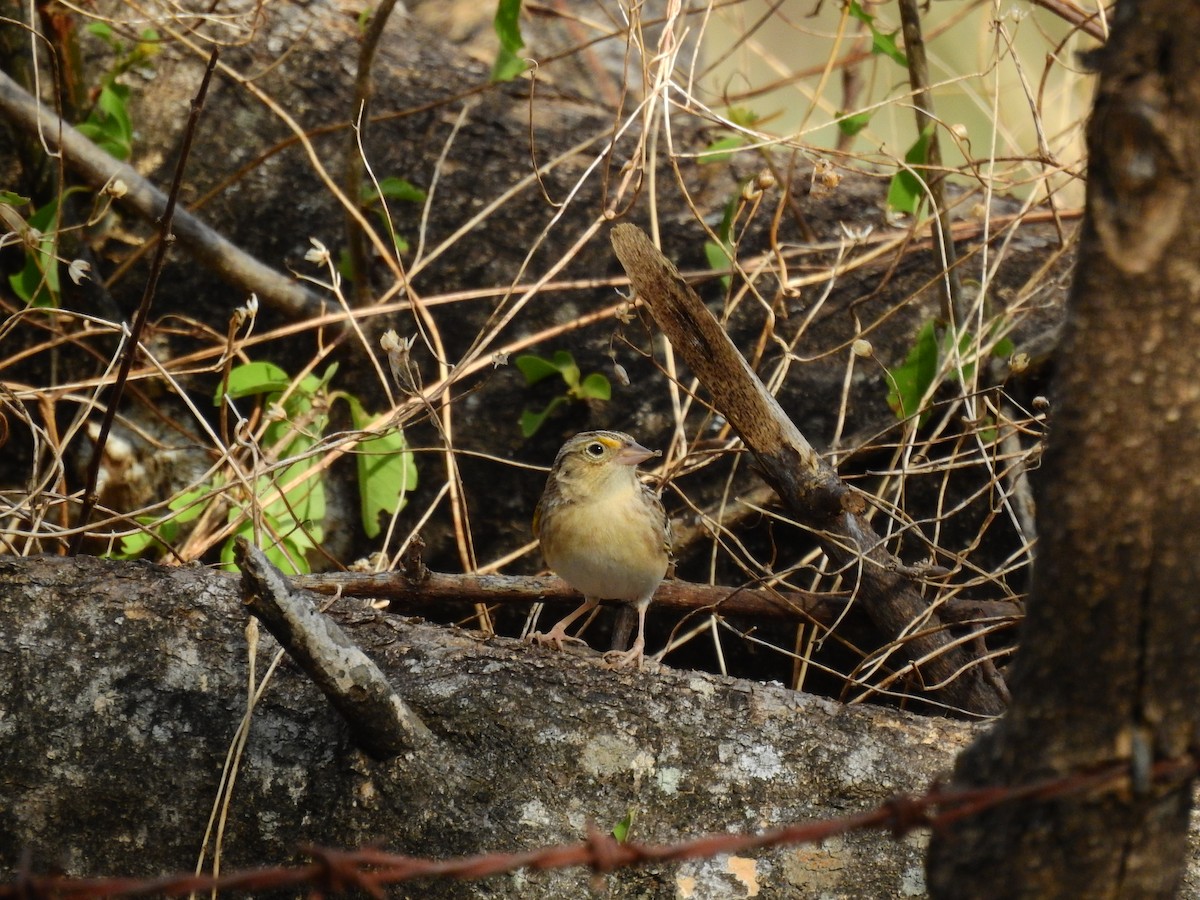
(603, 531)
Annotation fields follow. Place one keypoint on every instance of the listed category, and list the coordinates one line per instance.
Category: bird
(603, 532)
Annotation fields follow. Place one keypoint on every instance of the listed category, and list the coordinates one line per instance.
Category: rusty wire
(370, 869)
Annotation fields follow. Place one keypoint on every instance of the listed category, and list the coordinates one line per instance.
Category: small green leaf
(37, 283)
(565, 363)
(718, 256)
(1004, 348)
(911, 380)
(532, 420)
(253, 378)
(621, 829)
(135, 546)
(108, 126)
(394, 188)
(853, 124)
(507, 25)
(303, 502)
(743, 116)
(186, 505)
(535, 368)
(906, 192)
(883, 44)
(386, 471)
(8, 198)
(721, 151)
(594, 387)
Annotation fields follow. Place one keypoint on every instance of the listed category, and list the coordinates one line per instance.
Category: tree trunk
(1109, 669)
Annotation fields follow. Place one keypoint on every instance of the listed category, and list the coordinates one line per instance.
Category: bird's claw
(553, 638)
(625, 659)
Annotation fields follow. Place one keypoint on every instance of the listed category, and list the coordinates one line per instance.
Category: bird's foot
(626, 659)
(556, 637)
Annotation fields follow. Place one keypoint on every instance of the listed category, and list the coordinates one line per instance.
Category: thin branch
(208, 247)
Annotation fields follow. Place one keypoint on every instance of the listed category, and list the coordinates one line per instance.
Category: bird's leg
(634, 655)
(557, 636)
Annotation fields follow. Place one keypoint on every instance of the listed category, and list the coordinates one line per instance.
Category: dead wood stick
(381, 722)
(97, 168)
(805, 483)
(680, 596)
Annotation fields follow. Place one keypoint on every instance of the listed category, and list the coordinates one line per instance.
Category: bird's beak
(632, 454)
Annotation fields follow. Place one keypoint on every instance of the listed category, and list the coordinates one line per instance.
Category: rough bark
(1109, 669)
(125, 682)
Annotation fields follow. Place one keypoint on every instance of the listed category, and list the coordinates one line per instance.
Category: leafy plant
(578, 387)
(911, 380)
(719, 253)
(883, 43)
(108, 125)
(391, 188)
(38, 282)
(906, 193)
(507, 24)
(622, 829)
(295, 510)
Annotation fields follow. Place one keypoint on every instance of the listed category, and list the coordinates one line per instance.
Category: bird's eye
(595, 449)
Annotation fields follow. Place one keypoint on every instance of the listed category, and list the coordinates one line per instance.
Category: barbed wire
(371, 869)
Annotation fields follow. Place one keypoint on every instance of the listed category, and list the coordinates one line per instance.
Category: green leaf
(285, 555)
(853, 124)
(565, 363)
(135, 546)
(718, 256)
(507, 25)
(37, 283)
(535, 368)
(621, 829)
(8, 198)
(721, 151)
(253, 378)
(185, 505)
(393, 188)
(883, 44)
(743, 116)
(905, 192)
(304, 502)
(387, 471)
(594, 387)
(911, 380)
(1004, 348)
(108, 125)
(532, 420)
